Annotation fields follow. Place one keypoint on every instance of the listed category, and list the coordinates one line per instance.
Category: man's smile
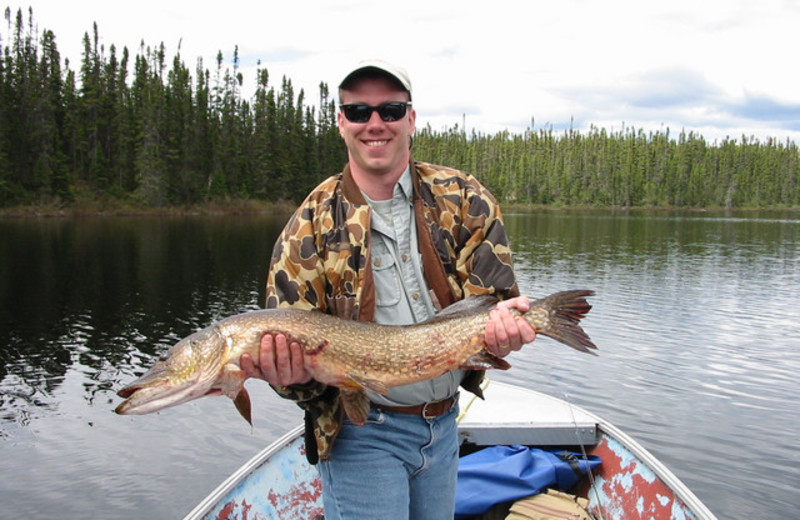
(382, 142)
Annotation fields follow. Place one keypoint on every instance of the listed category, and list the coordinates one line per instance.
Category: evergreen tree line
(626, 168)
(157, 134)
(138, 129)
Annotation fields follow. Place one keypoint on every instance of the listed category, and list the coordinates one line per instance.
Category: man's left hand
(504, 331)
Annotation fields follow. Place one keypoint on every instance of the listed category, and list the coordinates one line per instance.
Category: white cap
(398, 73)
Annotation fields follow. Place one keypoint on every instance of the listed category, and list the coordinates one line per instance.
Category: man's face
(376, 147)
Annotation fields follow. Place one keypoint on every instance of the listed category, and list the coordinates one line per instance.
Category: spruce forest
(148, 130)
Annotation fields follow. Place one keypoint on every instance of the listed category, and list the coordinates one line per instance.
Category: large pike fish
(351, 355)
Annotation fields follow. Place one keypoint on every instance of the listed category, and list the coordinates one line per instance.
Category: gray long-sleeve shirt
(402, 295)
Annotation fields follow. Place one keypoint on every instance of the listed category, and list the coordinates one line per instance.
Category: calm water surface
(696, 316)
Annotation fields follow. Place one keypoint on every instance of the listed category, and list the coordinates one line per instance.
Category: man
(391, 241)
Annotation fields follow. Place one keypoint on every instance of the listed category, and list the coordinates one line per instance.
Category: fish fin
(356, 405)
(231, 381)
(473, 304)
(360, 383)
(242, 403)
(483, 360)
(231, 384)
(567, 308)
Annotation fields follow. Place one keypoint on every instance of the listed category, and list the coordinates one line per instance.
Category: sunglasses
(360, 113)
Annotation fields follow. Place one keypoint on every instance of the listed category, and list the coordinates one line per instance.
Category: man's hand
(505, 332)
(280, 363)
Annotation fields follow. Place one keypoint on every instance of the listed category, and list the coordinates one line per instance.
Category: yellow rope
(463, 413)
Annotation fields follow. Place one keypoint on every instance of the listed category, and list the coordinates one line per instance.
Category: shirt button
(404, 257)
(415, 296)
(377, 262)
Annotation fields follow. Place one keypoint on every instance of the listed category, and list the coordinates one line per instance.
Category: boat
(630, 484)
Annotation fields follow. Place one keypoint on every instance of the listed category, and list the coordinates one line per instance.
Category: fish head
(188, 372)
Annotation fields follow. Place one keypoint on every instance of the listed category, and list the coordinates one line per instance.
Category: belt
(425, 410)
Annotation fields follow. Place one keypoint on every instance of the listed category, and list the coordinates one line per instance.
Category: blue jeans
(397, 466)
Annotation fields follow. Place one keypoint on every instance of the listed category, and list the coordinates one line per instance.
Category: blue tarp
(503, 473)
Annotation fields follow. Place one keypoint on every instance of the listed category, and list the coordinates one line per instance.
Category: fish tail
(566, 309)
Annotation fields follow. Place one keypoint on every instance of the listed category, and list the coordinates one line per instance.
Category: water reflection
(110, 295)
(696, 318)
(697, 324)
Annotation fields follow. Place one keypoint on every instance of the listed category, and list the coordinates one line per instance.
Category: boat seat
(510, 416)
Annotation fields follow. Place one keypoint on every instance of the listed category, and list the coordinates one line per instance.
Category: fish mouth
(128, 390)
(150, 396)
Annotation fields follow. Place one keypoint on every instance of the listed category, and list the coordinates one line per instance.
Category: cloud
(277, 55)
(672, 87)
(768, 109)
(659, 89)
(676, 97)
(716, 67)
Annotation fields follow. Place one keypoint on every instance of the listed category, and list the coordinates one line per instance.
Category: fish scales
(381, 350)
(353, 356)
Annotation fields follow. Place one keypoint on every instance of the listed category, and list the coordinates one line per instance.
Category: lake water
(697, 317)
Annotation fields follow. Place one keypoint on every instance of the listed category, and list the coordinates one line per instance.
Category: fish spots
(316, 349)
(427, 365)
(368, 361)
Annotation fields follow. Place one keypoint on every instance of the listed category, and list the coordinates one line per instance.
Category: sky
(718, 68)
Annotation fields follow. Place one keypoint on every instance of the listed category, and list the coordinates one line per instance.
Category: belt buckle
(439, 412)
(425, 412)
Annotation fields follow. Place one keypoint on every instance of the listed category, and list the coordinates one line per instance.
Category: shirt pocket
(387, 281)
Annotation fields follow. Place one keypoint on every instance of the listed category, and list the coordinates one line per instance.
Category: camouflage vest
(321, 262)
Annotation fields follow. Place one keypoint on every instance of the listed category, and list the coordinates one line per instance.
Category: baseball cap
(399, 74)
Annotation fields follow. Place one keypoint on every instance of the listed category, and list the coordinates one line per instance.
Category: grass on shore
(98, 208)
(108, 206)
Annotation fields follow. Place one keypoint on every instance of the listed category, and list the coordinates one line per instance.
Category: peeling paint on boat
(283, 485)
(631, 483)
(626, 488)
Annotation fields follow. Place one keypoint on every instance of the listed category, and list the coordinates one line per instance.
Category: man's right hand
(280, 363)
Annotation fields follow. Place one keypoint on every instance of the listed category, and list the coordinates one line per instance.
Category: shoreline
(258, 207)
(223, 207)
